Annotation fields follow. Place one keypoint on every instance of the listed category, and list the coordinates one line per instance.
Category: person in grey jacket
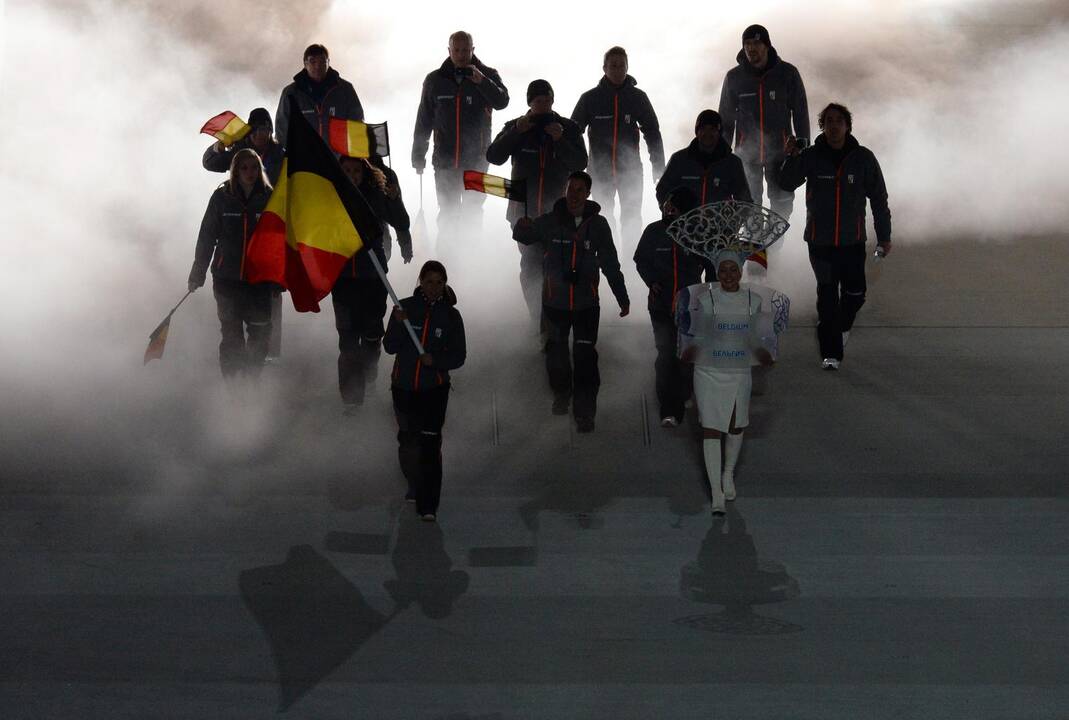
(761, 99)
(840, 175)
(321, 94)
(228, 224)
(545, 149)
(456, 106)
(577, 249)
(615, 110)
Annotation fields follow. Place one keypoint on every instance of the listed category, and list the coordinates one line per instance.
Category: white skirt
(718, 392)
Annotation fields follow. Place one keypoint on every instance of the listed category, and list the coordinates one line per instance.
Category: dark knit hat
(261, 118)
(756, 32)
(707, 117)
(538, 87)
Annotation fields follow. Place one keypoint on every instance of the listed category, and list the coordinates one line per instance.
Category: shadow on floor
(424, 569)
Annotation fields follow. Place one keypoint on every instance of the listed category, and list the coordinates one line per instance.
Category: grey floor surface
(900, 546)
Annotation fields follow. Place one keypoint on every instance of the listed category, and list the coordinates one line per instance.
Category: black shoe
(427, 517)
(560, 404)
(585, 424)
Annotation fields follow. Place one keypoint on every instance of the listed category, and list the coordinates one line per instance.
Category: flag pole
(188, 293)
(393, 296)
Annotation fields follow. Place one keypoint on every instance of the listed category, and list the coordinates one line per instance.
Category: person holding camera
(545, 148)
(839, 174)
(706, 167)
(577, 248)
(456, 104)
(761, 99)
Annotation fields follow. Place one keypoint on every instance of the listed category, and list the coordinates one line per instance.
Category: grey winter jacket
(544, 163)
(458, 114)
(225, 230)
(319, 102)
(835, 193)
(574, 257)
(615, 115)
(757, 108)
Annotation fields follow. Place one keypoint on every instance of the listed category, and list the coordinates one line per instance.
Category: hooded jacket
(757, 108)
(441, 331)
(319, 102)
(574, 257)
(224, 234)
(660, 260)
(713, 177)
(220, 161)
(458, 114)
(543, 163)
(836, 192)
(615, 115)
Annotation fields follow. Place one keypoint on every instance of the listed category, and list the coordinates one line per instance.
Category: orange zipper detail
(761, 115)
(615, 128)
(675, 276)
(244, 244)
(838, 173)
(541, 175)
(423, 342)
(456, 153)
(571, 286)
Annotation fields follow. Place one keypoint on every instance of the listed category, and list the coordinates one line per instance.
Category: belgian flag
(314, 222)
(357, 139)
(227, 128)
(493, 185)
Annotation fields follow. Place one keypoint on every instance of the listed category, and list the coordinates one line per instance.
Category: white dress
(722, 380)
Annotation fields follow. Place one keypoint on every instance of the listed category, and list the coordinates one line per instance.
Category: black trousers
(779, 200)
(840, 273)
(582, 381)
(420, 417)
(244, 313)
(359, 306)
(675, 378)
(274, 345)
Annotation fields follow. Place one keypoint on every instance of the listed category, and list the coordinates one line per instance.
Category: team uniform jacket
(713, 177)
(224, 233)
(392, 212)
(536, 158)
(662, 261)
(220, 161)
(458, 114)
(757, 108)
(440, 330)
(582, 253)
(319, 102)
(615, 115)
(835, 193)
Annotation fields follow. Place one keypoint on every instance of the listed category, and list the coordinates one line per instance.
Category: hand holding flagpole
(158, 339)
(396, 302)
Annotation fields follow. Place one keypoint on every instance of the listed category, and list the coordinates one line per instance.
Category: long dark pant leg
(274, 345)
(531, 280)
(836, 268)
(256, 313)
(671, 384)
(240, 305)
(420, 417)
(558, 363)
(586, 378)
(232, 342)
(344, 297)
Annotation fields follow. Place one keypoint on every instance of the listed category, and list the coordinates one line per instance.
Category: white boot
(711, 450)
(732, 446)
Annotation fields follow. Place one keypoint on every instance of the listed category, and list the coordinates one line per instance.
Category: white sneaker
(846, 338)
(727, 481)
(829, 364)
(669, 422)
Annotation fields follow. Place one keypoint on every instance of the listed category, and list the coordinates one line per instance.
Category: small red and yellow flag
(494, 185)
(157, 340)
(357, 139)
(227, 128)
(760, 257)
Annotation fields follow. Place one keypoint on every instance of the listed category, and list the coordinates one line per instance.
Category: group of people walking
(755, 143)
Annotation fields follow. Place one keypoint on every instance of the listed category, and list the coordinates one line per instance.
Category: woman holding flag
(420, 381)
(243, 307)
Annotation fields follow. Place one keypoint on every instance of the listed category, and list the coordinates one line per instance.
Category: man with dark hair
(615, 111)
(577, 248)
(706, 167)
(762, 97)
(667, 268)
(456, 105)
(321, 94)
(839, 174)
(217, 157)
(544, 148)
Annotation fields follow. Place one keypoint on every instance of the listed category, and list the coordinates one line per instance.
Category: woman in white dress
(718, 333)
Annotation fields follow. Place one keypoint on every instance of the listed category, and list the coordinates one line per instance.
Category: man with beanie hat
(456, 105)
(839, 175)
(667, 268)
(545, 149)
(217, 157)
(707, 166)
(762, 102)
(615, 111)
(321, 94)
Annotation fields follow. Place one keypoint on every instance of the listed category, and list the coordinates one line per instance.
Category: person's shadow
(729, 573)
(424, 570)
(314, 618)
